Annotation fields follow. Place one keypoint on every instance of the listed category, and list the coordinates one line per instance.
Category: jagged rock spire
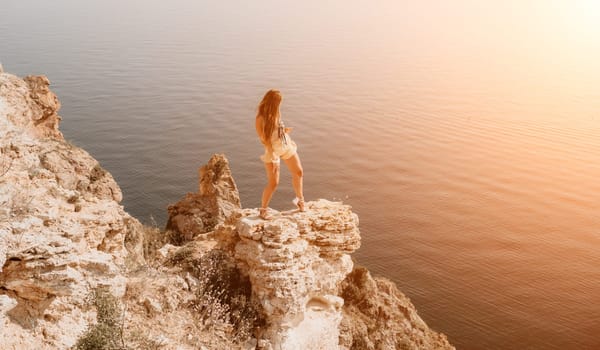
(199, 213)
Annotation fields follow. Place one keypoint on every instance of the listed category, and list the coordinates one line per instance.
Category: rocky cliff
(296, 263)
(62, 229)
(300, 272)
(218, 277)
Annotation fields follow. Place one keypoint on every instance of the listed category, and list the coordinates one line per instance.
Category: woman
(278, 144)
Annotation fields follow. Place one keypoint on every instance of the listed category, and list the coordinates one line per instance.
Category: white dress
(283, 146)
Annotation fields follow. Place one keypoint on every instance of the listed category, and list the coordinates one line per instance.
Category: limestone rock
(62, 229)
(376, 315)
(64, 233)
(302, 275)
(45, 106)
(153, 307)
(296, 262)
(217, 198)
(29, 105)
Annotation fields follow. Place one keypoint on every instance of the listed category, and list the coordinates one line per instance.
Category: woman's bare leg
(272, 170)
(293, 163)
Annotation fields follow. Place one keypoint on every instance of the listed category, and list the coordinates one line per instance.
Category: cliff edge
(77, 271)
(62, 229)
(300, 273)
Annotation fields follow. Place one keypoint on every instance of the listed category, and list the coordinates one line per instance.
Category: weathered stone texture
(62, 229)
(197, 214)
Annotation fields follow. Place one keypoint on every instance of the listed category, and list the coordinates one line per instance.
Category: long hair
(268, 108)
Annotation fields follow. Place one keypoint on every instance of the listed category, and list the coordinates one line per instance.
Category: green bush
(107, 333)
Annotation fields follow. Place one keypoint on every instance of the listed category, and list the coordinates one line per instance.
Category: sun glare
(583, 18)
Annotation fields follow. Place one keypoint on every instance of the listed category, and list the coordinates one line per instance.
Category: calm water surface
(465, 134)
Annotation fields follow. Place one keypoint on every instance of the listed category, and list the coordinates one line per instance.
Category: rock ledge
(296, 262)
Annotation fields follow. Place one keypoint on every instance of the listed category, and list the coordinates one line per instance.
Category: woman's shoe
(263, 213)
(299, 202)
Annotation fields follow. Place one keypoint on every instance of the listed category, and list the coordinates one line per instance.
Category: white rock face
(296, 263)
(62, 229)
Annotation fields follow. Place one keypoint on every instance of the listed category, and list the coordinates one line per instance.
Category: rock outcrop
(301, 273)
(378, 316)
(312, 295)
(197, 214)
(227, 280)
(62, 229)
(296, 262)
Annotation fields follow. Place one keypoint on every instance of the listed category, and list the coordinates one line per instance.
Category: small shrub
(223, 298)
(99, 337)
(174, 238)
(153, 240)
(107, 333)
